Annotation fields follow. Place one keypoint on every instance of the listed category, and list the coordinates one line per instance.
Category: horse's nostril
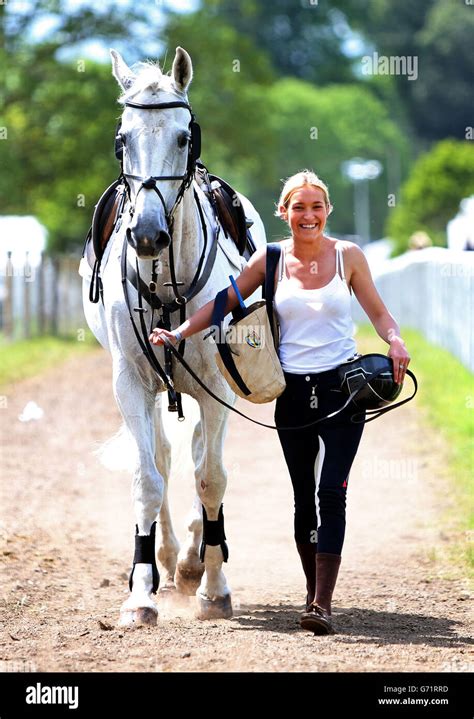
(163, 239)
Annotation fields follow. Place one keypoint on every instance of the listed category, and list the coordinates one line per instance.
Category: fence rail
(40, 299)
(432, 291)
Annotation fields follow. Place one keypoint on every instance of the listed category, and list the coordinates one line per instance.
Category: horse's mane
(149, 77)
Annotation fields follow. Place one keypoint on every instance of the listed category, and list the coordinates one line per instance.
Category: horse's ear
(182, 70)
(120, 70)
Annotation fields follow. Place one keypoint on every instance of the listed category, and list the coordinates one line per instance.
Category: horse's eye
(183, 140)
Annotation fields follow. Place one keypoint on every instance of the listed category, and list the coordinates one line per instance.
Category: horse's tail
(119, 452)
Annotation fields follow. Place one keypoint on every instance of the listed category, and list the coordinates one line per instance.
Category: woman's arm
(249, 279)
(371, 302)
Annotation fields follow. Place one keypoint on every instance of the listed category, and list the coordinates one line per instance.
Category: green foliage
(228, 94)
(338, 114)
(26, 358)
(431, 195)
(439, 34)
(303, 39)
(60, 147)
(60, 121)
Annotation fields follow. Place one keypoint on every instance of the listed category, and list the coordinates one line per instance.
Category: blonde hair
(296, 182)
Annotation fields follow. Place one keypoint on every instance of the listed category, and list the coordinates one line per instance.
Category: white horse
(155, 142)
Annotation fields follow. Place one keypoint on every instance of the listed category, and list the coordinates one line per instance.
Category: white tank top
(316, 328)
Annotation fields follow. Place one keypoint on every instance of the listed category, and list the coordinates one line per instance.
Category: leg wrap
(213, 534)
(145, 554)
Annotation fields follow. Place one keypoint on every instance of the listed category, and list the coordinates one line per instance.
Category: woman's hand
(400, 357)
(158, 335)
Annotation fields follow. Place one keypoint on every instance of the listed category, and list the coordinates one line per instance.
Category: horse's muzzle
(148, 246)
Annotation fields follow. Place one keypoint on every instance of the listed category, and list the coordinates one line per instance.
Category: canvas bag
(246, 350)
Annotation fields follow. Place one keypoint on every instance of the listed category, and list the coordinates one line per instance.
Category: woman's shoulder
(350, 250)
(344, 245)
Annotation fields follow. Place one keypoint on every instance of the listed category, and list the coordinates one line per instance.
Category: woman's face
(306, 213)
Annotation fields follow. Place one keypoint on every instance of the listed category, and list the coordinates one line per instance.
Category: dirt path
(67, 533)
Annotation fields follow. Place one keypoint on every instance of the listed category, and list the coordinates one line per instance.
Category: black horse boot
(318, 617)
(307, 552)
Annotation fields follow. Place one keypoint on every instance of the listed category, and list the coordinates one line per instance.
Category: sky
(95, 49)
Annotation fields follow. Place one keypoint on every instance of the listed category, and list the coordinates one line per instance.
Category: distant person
(314, 282)
(419, 241)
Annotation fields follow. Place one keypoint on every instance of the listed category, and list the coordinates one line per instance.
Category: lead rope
(310, 424)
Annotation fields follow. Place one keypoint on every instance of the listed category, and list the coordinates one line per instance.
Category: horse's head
(156, 146)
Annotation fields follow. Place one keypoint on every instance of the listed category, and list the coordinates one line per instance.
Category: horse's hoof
(187, 579)
(220, 608)
(142, 617)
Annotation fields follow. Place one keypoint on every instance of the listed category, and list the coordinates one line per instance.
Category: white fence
(44, 298)
(431, 290)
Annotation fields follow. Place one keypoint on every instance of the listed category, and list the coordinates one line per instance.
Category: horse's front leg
(136, 402)
(168, 548)
(189, 569)
(213, 594)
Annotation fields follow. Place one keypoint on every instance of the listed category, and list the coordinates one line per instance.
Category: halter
(149, 183)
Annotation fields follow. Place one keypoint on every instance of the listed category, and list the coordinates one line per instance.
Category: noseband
(149, 183)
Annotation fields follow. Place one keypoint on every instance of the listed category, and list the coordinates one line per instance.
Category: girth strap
(145, 554)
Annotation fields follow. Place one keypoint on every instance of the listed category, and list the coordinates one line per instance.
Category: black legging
(323, 453)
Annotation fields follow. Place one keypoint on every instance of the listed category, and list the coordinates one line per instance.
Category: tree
(58, 116)
(438, 34)
(430, 197)
(302, 39)
(59, 150)
(228, 95)
(319, 128)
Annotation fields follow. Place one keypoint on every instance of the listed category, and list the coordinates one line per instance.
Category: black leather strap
(273, 257)
(217, 321)
(219, 313)
(271, 426)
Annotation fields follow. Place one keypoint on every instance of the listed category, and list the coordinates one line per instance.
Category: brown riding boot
(307, 552)
(318, 617)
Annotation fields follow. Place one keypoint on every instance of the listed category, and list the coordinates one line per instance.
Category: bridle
(204, 268)
(149, 183)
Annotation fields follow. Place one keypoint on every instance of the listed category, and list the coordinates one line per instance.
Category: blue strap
(219, 313)
(217, 321)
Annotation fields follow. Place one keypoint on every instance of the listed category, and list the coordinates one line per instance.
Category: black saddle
(229, 209)
(106, 214)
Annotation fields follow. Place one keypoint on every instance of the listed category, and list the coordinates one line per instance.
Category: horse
(163, 237)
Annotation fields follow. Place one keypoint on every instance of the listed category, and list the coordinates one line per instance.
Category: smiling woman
(313, 285)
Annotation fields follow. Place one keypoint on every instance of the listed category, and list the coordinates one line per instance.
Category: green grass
(26, 358)
(446, 394)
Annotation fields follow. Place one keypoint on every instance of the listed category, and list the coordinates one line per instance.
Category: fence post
(55, 295)
(8, 299)
(26, 300)
(41, 296)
